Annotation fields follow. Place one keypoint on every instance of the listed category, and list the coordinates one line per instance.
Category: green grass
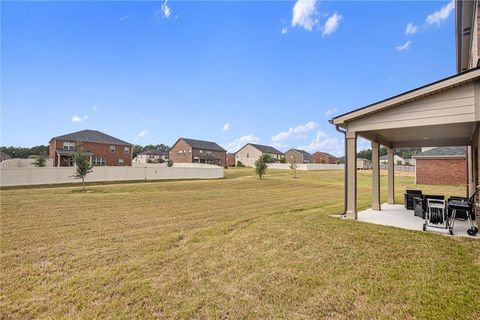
(231, 248)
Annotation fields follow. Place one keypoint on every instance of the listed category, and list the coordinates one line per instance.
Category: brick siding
(441, 171)
(98, 150)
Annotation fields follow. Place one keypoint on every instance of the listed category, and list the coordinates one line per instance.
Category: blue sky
(232, 72)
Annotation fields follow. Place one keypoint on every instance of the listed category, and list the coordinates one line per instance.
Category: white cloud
(411, 28)
(236, 144)
(331, 111)
(304, 14)
(226, 126)
(166, 10)
(438, 16)
(95, 108)
(76, 118)
(123, 18)
(326, 143)
(284, 30)
(292, 132)
(332, 24)
(363, 144)
(141, 134)
(404, 46)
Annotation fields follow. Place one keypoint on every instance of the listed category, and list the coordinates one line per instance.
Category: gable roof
(302, 152)
(327, 154)
(201, 144)
(4, 155)
(263, 148)
(443, 152)
(91, 136)
(414, 94)
(153, 152)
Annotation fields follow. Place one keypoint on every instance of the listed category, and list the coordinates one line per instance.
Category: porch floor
(396, 215)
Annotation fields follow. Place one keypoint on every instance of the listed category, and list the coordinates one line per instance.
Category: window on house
(68, 145)
(112, 149)
(120, 162)
(248, 155)
(99, 161)
(209, 153)
(127, 150)
(201, 151)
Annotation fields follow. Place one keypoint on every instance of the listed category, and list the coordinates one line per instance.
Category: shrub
(260, 167)
(240, 164)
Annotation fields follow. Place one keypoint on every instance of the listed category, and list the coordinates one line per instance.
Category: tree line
(405, 153)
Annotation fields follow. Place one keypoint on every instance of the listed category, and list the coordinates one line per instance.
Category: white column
(375, 177)
(351, 158)
(391, 176)
(58, 158)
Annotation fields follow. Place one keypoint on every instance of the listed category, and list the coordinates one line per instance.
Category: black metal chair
(408, 198)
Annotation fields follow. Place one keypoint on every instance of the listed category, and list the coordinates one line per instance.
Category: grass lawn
(231, 248)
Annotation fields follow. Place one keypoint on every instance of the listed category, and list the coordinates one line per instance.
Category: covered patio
(443, 113)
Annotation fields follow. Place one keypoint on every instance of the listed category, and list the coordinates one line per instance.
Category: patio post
(391, 176)
(375, 177)
(58, 160)
(351, 158)
(470, 162)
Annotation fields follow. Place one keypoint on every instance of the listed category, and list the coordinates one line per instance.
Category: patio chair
(420, 204)
(408, 198)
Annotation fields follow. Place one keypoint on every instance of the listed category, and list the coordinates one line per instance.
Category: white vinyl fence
(399, 168)
(308, 167)
(50, 175)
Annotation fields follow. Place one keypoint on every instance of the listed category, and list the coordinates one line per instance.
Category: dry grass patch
(232, 248)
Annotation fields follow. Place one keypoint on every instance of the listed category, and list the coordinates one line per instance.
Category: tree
(240, 164)
(40, 160)
(82, 162)
(169, 163)
(283, 159)
(294, 166)
(261, 165)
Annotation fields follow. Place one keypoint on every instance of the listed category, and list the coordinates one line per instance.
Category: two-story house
(102, 149)
(299, 156)
(198, 151)
(250, 153)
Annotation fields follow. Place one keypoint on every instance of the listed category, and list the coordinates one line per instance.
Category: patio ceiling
(453, 134)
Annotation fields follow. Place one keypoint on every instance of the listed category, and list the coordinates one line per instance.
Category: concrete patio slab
(395, 215)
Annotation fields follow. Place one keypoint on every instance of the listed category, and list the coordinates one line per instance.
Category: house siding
(97, 150)
(296, 157)
(451, 106)
(185, 157)
(441, 171)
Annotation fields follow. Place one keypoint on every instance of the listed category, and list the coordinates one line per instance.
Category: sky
(232, 72)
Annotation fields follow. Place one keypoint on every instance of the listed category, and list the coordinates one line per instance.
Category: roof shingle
(443, 152)
(91, 136)
(204, 145)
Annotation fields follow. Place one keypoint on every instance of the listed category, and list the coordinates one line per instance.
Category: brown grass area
(231, 248)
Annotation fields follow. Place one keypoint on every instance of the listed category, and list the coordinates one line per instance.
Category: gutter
(345, 178)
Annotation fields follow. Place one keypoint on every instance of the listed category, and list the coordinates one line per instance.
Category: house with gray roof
(324, 157)
(103, 149)
(298, 156)
(152, 155)
(187, 150)
(442, 166)
(251, 152)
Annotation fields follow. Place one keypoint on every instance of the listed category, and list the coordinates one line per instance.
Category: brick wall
(98, 150)
(441, 171)
(294, 157)
(230, 160)
(185, 156)
(321, 158)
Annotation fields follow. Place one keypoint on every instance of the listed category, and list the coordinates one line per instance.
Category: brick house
(230, 160)
(442, 166)
(198, 151)
(323, 157)
(102, 149)
(250, 153)
(298, 156)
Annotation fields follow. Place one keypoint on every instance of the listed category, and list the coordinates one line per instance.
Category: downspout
(345, 178)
